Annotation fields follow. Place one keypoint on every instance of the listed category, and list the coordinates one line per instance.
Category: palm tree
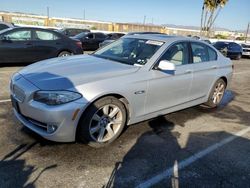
(212, 9)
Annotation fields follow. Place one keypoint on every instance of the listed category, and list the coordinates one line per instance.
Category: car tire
(102, 123)
(64, 54)
(238, 57)
(216, 94)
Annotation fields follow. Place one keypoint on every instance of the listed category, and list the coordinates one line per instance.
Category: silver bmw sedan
(92, 97)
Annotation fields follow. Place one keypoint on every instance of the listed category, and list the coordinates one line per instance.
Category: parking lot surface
(196, 147)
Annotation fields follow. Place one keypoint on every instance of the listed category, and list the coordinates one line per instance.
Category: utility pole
(152, 21)
(47, 17)
(144, 20)
(48, 12)
(84, 14)
(247, 32)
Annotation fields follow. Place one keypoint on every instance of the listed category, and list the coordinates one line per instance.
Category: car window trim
(206, 46)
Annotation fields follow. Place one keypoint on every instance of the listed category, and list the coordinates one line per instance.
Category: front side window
(177, 54)
(130, 51)
(200, 53)
(44, 35)
(19, 35)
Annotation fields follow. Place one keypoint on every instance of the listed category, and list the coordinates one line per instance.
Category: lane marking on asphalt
(182, 164)
(243, 72)
(6, 100)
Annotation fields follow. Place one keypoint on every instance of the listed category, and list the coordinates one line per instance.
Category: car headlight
(56, 97)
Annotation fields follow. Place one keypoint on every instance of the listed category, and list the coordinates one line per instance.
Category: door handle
(28, 44)
(188, 71)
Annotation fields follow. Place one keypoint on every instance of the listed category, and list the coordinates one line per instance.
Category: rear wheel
(216, 94)
(64, 54)
(238, 57)
(103, 122)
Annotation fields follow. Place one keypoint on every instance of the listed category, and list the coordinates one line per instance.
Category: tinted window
(220, 45)
(212, 54)
(2, 26)
(200, 53)
(44, 35)
(19, 35)
(90, 35)
(177, 54)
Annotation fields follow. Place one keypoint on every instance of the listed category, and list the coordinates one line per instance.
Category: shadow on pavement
(158, 149)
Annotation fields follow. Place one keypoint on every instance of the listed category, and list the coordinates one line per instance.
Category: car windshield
(131, 51)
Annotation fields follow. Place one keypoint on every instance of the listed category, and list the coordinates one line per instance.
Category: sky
(234, 16)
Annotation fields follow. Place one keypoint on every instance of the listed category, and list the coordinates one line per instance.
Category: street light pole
(48, 12)
(247, 32)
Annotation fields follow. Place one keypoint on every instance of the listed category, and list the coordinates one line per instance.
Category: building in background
(53, 22)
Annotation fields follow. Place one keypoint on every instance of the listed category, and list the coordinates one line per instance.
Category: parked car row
(26, 44)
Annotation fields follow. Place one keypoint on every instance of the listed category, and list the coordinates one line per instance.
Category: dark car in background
(91, 40)
(143, 33)
(111, 38)
(26, 44)
(229, 49)
(70, 32)
(246, 49)
(4, 25)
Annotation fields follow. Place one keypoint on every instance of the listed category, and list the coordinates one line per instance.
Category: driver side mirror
(166, 66)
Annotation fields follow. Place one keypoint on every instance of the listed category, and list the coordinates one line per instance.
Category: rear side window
(200, 53)
(44, 35)
(212, 54)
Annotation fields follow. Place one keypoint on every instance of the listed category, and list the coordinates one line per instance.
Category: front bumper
(246, 53)
(38, 116)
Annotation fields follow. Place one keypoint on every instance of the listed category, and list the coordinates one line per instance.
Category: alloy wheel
(105, 123)
(218, 93)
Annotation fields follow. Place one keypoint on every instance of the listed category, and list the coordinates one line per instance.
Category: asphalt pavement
(195, 147)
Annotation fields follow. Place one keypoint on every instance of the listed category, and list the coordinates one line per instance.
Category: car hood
(69, 72)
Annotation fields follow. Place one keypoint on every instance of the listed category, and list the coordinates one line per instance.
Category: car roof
(159, 37)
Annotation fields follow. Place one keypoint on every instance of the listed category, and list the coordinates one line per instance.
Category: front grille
(246, 50)
(37, 123)
(18, 93)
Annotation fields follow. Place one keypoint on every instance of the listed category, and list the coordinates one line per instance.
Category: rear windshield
(220, 45)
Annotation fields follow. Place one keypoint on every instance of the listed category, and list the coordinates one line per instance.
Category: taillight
(79, 44)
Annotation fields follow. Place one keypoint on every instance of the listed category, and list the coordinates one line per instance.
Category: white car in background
(246, 49)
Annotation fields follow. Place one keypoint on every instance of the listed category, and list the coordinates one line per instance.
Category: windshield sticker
(153, 42)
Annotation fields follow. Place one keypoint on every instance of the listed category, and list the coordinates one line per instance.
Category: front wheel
(103, 122)
(216, 94)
